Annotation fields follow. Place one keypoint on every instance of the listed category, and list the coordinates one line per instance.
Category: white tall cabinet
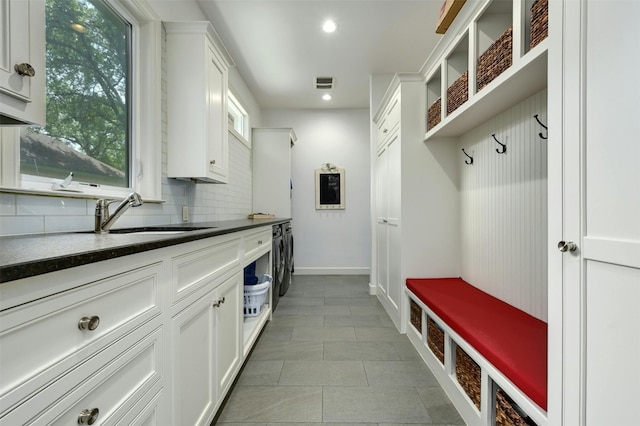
(271, 148)
(413, 236)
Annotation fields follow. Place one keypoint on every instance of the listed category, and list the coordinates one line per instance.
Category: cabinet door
(194, 373)
(228, 337)
(393, 225)
(381, 223)
(217, 123)
(22, 42)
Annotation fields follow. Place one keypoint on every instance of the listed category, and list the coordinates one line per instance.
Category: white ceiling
(279, 46)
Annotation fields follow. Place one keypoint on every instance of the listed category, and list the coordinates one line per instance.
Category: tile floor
(332, 355)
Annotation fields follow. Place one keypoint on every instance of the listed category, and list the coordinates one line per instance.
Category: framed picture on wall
(330, 193)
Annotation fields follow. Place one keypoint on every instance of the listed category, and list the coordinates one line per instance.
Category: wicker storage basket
(496, 59)
(458, 92)
(539, 21)
(416, 315)
(434, 114)
(435, 339)
(469, 375)
(507, 412)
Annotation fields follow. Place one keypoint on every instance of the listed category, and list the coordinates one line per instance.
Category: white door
(600, 287)
(395, 283)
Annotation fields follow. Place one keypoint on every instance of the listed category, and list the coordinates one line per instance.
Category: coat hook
(503, 146)
(470, 160)
(540, 123)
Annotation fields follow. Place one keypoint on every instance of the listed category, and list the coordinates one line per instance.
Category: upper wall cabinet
(496, 61)
(197, 73)
(22, 62)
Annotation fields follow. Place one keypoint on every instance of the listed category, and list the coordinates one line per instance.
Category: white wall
(329, 242)
(503, 201)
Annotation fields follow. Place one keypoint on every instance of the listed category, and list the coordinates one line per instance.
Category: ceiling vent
(324, 83)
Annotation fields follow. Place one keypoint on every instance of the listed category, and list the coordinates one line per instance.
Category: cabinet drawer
(41, 340)
(195, 269)
(112, 382)
(257, 243)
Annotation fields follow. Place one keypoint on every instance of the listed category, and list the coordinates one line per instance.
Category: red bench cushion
(510, 339)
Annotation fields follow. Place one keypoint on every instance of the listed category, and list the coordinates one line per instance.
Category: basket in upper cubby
(434, 114)
(496, 59)
(458, 92)
(539, 21)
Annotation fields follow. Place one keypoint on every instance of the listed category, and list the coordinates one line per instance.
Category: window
(88, 48)
(103, 105)
(238, 118)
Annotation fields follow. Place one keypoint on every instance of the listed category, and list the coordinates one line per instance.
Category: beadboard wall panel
(503, 200)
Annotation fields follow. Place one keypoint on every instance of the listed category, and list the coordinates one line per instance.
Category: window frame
(146, 92)
(234, 101)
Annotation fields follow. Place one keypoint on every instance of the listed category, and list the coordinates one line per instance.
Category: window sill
(65, 194)
(241, 138)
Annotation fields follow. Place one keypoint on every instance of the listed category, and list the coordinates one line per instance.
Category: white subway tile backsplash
(20, 225)
(7, 204)
(36, 205)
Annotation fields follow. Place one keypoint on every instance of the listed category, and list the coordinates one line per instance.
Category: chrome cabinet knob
(218, 302)
(564, 246)
(88, 417)
(212, 162)
(89, 323)
(25, 70)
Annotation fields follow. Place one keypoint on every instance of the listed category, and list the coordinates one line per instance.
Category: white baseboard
(332, 271)
(372, 289)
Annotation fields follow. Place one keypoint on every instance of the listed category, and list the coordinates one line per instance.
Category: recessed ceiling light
(326, 97)
(329, 26)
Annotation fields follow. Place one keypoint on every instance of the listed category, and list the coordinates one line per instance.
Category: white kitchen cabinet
(22, 62)
(206, 351)
(271, 150)
(197, 74)
(83, 344)
(416, 201)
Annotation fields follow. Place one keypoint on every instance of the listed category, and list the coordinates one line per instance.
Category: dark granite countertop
(29, 255)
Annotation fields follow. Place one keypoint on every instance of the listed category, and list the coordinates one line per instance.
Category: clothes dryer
(287, 236)
(278, 268)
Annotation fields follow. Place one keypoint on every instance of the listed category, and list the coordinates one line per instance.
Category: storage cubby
(508, 413)
(536, 22)
(495, 48)
(435, 339)
(494, 39)
(458, 75)
(434, 100)
(416, 315)
(252, 324)
(469, 376)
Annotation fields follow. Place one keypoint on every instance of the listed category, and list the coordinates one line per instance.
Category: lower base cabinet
(138, 340)
(206, 351)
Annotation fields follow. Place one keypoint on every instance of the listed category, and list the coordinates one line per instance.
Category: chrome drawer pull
(89, 323)
(259, 242)
(219, 302)
(88, 417)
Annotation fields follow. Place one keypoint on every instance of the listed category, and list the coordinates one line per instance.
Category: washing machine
(278, 268)
(287, 236)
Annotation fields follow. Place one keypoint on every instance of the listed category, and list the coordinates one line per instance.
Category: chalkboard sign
(330, 193)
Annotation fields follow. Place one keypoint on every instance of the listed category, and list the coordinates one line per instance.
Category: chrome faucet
(104, 221)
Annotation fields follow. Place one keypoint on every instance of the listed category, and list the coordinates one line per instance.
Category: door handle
(564, 246)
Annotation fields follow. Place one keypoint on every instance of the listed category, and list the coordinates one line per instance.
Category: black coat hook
(503, 146)
(470, 160)
(540, 123)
